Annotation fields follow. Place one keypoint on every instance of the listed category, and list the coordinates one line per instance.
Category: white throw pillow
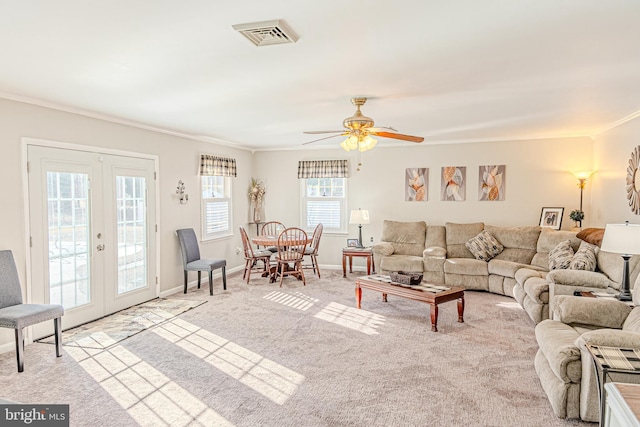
(585, 258)
(560, 257)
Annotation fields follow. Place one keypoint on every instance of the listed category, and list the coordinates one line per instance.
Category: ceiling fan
(359, 128)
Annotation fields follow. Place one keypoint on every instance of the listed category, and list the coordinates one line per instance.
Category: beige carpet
(110, 330)
(260, 355)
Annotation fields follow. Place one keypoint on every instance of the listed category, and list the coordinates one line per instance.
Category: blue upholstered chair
(16, 315)
(192, 262)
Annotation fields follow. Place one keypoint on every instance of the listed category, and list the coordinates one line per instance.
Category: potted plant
(577, 216)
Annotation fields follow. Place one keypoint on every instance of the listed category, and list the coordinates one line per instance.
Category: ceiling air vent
(267, 32)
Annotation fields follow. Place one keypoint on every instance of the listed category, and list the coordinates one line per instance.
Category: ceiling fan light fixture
(367, 143)
(351, 143)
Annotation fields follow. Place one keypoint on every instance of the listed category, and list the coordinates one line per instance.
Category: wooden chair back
(272, 228)
(291, 244)
(315, 240)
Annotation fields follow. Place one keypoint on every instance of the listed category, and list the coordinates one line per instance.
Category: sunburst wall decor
(633, 181)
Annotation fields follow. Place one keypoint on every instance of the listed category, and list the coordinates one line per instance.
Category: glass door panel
(68, 236)
(131, 226)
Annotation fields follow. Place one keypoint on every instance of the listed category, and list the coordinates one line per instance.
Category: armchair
(564, 365)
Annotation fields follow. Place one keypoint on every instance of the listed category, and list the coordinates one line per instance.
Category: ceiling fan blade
(379, 128)
(399, 136)
(313, 132)
(326, 137)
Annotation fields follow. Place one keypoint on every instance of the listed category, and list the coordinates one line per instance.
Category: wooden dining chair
(272, 228)
(312, 250)
(252, 257)
(292, 243)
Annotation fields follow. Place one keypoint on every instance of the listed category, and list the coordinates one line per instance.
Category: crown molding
(118, 120)
(630, 117)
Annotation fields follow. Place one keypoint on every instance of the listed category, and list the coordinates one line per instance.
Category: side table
(357, 252)
(623, 405)
(610, 360)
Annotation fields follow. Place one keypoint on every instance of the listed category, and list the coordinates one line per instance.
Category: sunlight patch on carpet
(352, 318)
(112, 329)
(150, 397)
(297, 300)
(511, 305)
(270, 379)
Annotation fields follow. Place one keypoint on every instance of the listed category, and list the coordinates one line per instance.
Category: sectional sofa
(520, 270)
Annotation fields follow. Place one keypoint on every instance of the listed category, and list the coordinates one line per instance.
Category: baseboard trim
(10, 346)
(205, 282)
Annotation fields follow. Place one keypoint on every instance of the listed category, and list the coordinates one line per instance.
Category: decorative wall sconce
(184, 198)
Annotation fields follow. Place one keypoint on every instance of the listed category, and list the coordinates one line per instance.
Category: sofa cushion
(560, 257)
(484, 246)
(592, 235)
(519, 242)
(611, 265)
(548, 240)
(402, 263)
(457, 235)
(632, 322)
(584, 258)
(580, 279)
(505, 268)
(466, 266)
(592, 312)
(407, 238)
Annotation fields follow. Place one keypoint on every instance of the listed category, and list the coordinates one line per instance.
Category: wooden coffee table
(429, 293)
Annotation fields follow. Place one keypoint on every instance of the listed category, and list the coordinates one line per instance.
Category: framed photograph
(551, 218)
(352, 243)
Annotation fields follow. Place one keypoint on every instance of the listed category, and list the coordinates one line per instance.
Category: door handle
(100, 248)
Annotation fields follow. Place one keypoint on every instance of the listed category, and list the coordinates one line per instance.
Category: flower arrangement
(256, 192)
(576, 215)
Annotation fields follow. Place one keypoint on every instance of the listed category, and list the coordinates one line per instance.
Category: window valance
(217, 166)
(323, 169)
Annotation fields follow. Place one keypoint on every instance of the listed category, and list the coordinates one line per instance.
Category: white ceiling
(450, 71)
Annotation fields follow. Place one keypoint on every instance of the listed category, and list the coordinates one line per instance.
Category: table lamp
(359, 217)
(623, 239)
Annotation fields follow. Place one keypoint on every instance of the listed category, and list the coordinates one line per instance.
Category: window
(216, 206)
(324, 200)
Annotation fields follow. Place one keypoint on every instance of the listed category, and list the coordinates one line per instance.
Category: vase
(256, 215)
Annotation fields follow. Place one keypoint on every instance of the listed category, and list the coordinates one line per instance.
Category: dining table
(270, 240)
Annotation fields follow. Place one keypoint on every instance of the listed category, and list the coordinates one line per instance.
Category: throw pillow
(592, 235)
(585, 258)
(560, 257)
(484, 246)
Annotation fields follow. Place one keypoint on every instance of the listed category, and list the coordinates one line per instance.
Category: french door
(93, 232)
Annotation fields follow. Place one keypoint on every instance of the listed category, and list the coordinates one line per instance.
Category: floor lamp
(622, 239)
(583, 177)
(359, 217)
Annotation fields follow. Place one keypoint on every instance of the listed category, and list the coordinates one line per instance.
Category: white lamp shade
(359, 217)
(621, 239)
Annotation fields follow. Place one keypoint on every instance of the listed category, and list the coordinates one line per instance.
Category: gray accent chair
(16, 315)
(192, 262)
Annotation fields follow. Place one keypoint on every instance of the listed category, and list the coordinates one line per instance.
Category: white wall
(612, 150)
(537, 175)
(178, 159)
